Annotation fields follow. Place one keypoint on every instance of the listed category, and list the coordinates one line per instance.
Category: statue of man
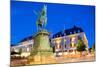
(41, 23)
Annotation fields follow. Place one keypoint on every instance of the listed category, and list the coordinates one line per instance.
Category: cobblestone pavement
(61, 59)
(68, 60)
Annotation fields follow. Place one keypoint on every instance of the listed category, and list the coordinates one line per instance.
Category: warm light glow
(73, 39)
(58, 43)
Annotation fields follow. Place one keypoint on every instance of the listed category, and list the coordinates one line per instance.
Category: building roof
(27, 38)
(70, 31)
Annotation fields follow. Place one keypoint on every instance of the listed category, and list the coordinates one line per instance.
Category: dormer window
(60, 35)
(70, 32)
(78, 31)
(57, 35)
(64, 34)
(74, 32)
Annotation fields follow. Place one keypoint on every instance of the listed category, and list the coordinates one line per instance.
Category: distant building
(66, 41)
(63, 41)
(25, 46)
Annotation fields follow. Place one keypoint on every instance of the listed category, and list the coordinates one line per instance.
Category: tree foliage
(81, 46)
(93, 47)
(13, 52)
(20, 50)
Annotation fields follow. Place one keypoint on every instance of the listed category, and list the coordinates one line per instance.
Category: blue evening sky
(23, 19)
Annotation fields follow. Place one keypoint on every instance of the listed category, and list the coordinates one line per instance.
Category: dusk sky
(23, 19)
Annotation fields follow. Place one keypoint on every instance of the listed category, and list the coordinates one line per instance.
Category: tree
(13, 52)
(93, 48)
(20, 51)
(81, 46)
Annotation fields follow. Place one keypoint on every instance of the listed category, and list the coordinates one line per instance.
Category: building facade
(24, 47)
(67, 40)
(61, 42)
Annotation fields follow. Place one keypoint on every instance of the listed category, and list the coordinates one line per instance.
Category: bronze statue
(41, 22)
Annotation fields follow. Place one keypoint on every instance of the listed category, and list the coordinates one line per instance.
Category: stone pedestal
(42, 52)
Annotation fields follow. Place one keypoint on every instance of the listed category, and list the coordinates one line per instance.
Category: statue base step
(41, 60)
